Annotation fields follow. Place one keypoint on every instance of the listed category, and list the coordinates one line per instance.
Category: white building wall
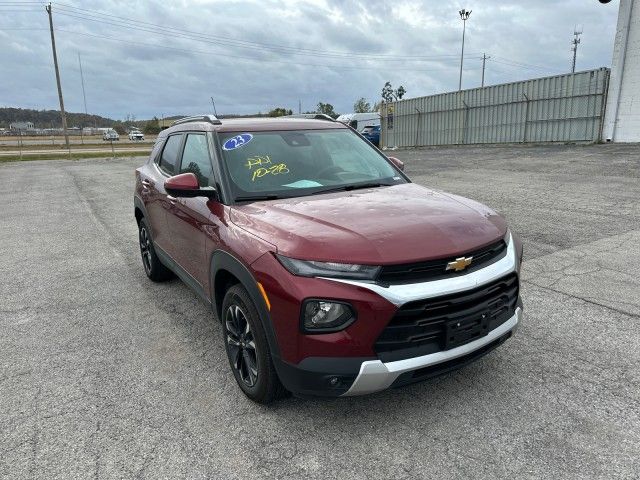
(622, 118)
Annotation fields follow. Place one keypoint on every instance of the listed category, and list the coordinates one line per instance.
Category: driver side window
(196, 159)
(169, 157)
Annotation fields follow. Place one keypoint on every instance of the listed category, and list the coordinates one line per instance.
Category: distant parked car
(358, 121)
(372, 134)
(136, 135)
(110, 136)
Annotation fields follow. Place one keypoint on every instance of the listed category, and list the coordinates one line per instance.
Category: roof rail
(198, 118)
(313, 116)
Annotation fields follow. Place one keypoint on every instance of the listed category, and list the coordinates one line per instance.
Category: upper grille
(422, 327)
(434, 269)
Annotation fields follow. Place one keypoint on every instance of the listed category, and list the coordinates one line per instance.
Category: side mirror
(398, 163)
(186, 185)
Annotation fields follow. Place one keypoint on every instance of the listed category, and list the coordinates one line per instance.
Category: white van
(358, 121)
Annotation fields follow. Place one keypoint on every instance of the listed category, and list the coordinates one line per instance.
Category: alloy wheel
(242, 347)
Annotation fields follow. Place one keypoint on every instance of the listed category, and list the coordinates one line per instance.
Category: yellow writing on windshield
(257, 161)
(278, 169)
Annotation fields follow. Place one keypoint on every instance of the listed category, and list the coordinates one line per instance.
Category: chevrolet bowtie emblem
(459, 264)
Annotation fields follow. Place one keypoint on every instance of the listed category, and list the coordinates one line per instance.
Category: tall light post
(464, 16)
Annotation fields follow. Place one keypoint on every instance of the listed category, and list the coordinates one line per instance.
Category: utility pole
(484, 61)
(55, 64)
(575, 42)
(299, 106)
(464, 16)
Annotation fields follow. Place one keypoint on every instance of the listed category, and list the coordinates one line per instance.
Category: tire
(153, 267)
(247, 348)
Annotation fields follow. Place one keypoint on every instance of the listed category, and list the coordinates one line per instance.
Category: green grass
(74, 156)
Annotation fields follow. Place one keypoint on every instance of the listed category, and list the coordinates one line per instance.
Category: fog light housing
(324, 316)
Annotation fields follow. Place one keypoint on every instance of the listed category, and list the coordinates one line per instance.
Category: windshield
(302, 162)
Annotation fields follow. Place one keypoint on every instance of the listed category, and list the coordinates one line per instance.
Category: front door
(157, 202)
(190, 220)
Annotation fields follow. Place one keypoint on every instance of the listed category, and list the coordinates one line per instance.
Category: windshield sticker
(237, 141)
(303, 184)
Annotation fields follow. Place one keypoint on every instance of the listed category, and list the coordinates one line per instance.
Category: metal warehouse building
(562, 108)
(591, 106)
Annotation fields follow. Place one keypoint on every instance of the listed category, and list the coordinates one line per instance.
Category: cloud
(255, 55)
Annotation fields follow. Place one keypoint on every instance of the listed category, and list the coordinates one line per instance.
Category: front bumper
(345, 363)
(375, 375)
(348, 376)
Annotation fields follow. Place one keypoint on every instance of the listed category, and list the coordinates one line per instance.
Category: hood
(387, 225)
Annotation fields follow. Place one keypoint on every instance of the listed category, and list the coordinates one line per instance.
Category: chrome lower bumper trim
(375, 375)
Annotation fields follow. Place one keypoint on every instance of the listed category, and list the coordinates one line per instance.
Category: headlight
(309, 268)
(322, 316)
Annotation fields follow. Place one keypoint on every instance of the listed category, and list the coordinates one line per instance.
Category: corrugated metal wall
(552, 109)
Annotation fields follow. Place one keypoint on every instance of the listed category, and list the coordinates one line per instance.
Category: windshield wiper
(356, 186)
(257, 198)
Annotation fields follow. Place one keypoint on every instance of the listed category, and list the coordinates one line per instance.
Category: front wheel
(247, 348)
(154, 269)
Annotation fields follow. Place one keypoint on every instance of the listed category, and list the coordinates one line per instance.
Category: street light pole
(464, 16)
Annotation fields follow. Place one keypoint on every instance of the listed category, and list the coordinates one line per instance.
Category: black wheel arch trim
(138, 204)
(222, 260)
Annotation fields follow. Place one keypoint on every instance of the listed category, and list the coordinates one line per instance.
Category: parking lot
(104, 374)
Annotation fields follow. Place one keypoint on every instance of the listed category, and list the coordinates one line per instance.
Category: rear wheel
(248, 349)
(154, 269)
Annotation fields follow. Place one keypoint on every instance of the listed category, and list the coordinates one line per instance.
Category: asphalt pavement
(104, 374)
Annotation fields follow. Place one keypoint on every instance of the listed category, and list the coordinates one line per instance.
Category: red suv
(332, 274)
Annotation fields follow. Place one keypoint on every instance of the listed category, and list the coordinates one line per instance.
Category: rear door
(159, 203)
(190, 217)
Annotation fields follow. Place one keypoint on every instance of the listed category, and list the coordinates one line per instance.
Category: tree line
(51, 118)
(362, 105)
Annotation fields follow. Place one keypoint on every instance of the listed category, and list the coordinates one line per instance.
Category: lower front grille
(448, 366)
(428, 326)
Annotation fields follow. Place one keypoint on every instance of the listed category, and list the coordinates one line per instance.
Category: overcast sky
(252, 56)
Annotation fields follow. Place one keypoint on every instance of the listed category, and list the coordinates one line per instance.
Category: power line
(514, 63)
(148, 27)
(162, 30)
(236, 57)
(122, 22)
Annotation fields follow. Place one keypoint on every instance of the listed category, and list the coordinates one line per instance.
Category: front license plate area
(466, 330)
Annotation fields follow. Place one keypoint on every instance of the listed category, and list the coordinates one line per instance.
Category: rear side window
(195, 158)
(169, 158)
